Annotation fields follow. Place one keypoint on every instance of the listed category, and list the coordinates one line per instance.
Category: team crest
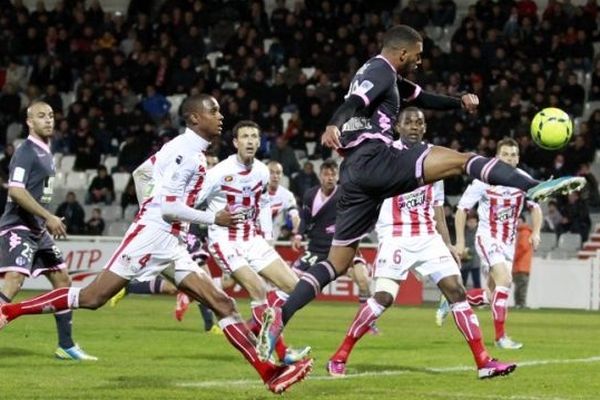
(228, 178)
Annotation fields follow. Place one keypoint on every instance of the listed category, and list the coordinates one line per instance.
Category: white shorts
(231, 256)
(427, 255)
(493, 251)
(146, 251)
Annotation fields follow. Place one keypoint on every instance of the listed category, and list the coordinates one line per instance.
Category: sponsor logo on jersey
(506, 214)
(20, 261)
(412, 200)
(178, 159)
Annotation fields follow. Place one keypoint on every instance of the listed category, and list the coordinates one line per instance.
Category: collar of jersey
(196, 140)
(39, 143)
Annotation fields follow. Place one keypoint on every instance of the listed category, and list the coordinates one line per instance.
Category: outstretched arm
(411, 92)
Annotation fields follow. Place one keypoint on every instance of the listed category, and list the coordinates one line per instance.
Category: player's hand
(470, 102)
(227, 218)
(459, 248)
(296, 243)
(535, 239)
(331, 137)
(56, 227)
(455, 254)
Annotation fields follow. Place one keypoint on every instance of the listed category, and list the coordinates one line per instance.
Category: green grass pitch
(146, 354)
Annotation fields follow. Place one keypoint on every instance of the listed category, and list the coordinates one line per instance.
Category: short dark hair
(510, 142)
(192, 104)
(245, 123)
(409, 110)
(399, 36)
(329, 164)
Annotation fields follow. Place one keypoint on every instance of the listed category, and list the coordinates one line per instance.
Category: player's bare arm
(24, 199)
(442, 228)
(537, 218)
(460, 220)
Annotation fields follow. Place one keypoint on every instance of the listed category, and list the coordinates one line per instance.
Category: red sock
(366, 315)
(56, 300)
(241, 338)
(476, 297)
(467, 323)
(276, 298)
(500, 309)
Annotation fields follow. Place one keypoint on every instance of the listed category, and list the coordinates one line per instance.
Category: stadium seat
(310, 148)
(130, 213)
(267, 45)
(212, 58)
(59, 180)
(300, 154)
(285, 182)
(309, 72)
(317, 165)
(120, 179)
(110, 162)
(285, 117)
(569, 242)
(175, 101)
(76, 180)
(18, 142)
(112, 213)
(67, 162)
(547, 241)
(117, 229)
(91, 174)
(13, 132)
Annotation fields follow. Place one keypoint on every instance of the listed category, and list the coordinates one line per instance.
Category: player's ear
(235, 142)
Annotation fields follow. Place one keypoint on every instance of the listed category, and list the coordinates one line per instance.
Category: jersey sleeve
(209, 188)
(265, 215)
(372, 83)
(178, 174)
(20, 168)
(305, 212)
(408, 90)
(472, 195)
(438, 193)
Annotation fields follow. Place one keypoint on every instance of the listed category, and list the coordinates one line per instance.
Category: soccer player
(499, 209)
(155, 240)
(373, 169)
(240, 183)
(318, 225)
(283, 203)
(26, 225)
(412, 234)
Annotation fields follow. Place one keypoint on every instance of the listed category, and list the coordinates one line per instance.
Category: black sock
(148, 287)
(496, 172)
(4, 299)
(309, 286)
(63, 327)
(207, 316)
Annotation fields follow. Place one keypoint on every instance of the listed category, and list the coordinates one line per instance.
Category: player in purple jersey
(26, 225)
(374, 169)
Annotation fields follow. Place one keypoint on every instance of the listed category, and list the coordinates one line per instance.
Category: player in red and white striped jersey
(242, 250)
(156, 240)
(499, 209)
(413, 235)
(283, 202)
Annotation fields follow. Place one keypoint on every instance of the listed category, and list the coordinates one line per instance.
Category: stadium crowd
(109, 78)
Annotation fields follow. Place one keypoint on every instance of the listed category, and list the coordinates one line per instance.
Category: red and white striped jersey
(178, 173)
(282, 202)
(498, 210)
(410, 214)
(231, 184)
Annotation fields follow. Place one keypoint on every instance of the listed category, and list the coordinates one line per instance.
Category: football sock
(467, 323)
(240, 337)
(366, 315)
(500, 309)
(308, 287)
(477, 297)
(148, 287)
(496, 172)
(63, 327)
(54, 301)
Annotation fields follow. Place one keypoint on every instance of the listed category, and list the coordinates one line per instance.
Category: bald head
(40, 120)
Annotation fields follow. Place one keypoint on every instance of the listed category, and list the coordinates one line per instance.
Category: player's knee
(62, 281)
(456, 294)
(385, 299)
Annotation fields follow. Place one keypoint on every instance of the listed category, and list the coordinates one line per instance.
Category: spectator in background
(576, 217)
(72, 213)
(283, 153)
(131, 155)
(552, 218)
(155, 104)
(9, 150)
(128, 198)
(470, 263)
(102, 188)
(87, 155)
(304, 180)
(95, 225)
(522, 262)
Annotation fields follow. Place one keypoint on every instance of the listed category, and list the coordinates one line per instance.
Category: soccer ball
(551, 128)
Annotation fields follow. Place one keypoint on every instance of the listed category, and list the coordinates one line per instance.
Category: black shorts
(308, 259)
(369, 175)
(28, 253)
